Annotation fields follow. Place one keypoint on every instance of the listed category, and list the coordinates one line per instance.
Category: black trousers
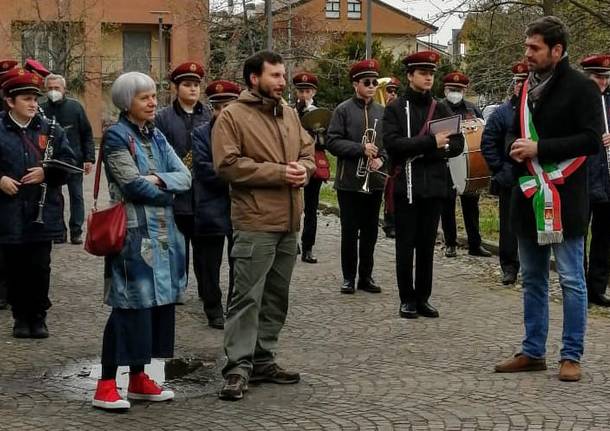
(470, 211)
(416, 227)
(186, 225)
(28, 271)
(599, 249)
(509, 250)
(207, 256)
(359, 213)
(310, 220)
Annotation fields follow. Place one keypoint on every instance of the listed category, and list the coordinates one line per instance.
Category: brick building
(92, 41)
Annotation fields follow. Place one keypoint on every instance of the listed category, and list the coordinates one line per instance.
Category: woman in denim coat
(143, 281)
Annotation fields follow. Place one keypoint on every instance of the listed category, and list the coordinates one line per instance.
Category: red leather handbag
(322, 166)
(107, 228)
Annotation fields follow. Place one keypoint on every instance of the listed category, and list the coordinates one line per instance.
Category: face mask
(54, 95)
(454, 97)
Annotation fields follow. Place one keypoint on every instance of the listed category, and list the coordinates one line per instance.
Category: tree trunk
(548, 7)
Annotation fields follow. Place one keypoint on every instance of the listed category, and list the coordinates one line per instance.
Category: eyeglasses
(390, 90)
(368, 82)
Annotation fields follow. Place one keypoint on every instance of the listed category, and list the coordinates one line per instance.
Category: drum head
(458, 166)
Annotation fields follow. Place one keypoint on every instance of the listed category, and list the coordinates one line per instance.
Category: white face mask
(454, 97)
(54, 95)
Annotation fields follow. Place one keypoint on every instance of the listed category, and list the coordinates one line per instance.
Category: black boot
(38, 327)
(408, 310)
(21, 329)
(368, 285)
(348, 286)
(308, 256)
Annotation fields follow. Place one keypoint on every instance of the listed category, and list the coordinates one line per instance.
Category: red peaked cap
(456, 79)
(24, 82)
(422, 60)
(189, 70)
(6, 65)
(35, 66)
(222, 90)
(364, 69)
(394, 82)
(599, 64)
(520, 70)
(305, 80)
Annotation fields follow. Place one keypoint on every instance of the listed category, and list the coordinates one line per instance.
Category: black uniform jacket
(344, 140)
(177, 126)
(568, 118)
(430, 176)
(69, 113)
(21, 149)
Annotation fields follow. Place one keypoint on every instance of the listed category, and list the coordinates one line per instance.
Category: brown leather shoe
(520, 363)
(569, 371)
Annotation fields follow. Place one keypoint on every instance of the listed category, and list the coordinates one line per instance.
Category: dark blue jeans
(77, 204)
(535, 261)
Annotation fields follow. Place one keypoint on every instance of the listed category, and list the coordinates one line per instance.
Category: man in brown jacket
(260, 148)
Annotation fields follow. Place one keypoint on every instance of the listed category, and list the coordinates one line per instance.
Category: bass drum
(469, 171)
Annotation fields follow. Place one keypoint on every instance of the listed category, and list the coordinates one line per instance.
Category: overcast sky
(432, 11)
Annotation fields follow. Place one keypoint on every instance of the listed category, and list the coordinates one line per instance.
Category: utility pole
(269, 12)
(369, 29)
(161, 62)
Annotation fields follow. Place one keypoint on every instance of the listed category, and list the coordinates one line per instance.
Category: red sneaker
(141, 387)
(107, 396)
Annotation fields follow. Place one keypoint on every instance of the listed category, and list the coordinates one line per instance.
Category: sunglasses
(369, 82)
(390, 90)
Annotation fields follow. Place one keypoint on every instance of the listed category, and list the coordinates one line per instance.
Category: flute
(605, 109)
(408, 173)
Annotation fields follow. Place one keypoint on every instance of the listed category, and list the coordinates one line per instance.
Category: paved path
(362, 366)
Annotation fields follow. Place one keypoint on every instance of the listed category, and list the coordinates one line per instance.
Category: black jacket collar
(197, 109)
(35, 124)
(418, 98)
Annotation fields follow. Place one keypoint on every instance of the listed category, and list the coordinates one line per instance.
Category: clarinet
(605, 109)
(48, 155)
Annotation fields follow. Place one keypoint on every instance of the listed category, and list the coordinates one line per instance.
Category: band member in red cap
(419, 184)
(391, 90)
(597, 67)
(355, 136)
(306, 84)
(30, 201)
(493, 149)
(177, 122)
(5, 66)
(455, 84)
(212, 207)
(390, 93)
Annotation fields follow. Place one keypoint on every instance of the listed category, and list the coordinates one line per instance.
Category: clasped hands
(11, 186)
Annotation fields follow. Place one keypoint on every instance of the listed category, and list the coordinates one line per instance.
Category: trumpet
(364, 170)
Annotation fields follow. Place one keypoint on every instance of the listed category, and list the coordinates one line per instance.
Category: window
(354, 9)
(48, 43)
(332, 8)
(136, 51)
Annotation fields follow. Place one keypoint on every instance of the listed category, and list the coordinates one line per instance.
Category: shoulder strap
(429, 115)
(98, 167)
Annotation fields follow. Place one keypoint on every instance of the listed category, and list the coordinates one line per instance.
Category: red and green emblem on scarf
(542, 181)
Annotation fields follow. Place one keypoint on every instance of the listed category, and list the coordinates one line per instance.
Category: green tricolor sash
(542, 181)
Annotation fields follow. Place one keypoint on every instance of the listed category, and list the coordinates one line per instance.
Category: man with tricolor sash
(556, 127)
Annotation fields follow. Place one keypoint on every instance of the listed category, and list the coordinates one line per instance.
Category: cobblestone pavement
(363, 368)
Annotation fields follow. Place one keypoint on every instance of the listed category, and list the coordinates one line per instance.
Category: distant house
(93, 41)
(310, 19)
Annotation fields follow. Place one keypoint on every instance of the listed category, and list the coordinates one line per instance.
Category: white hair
(126, 86)
(55, 77)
